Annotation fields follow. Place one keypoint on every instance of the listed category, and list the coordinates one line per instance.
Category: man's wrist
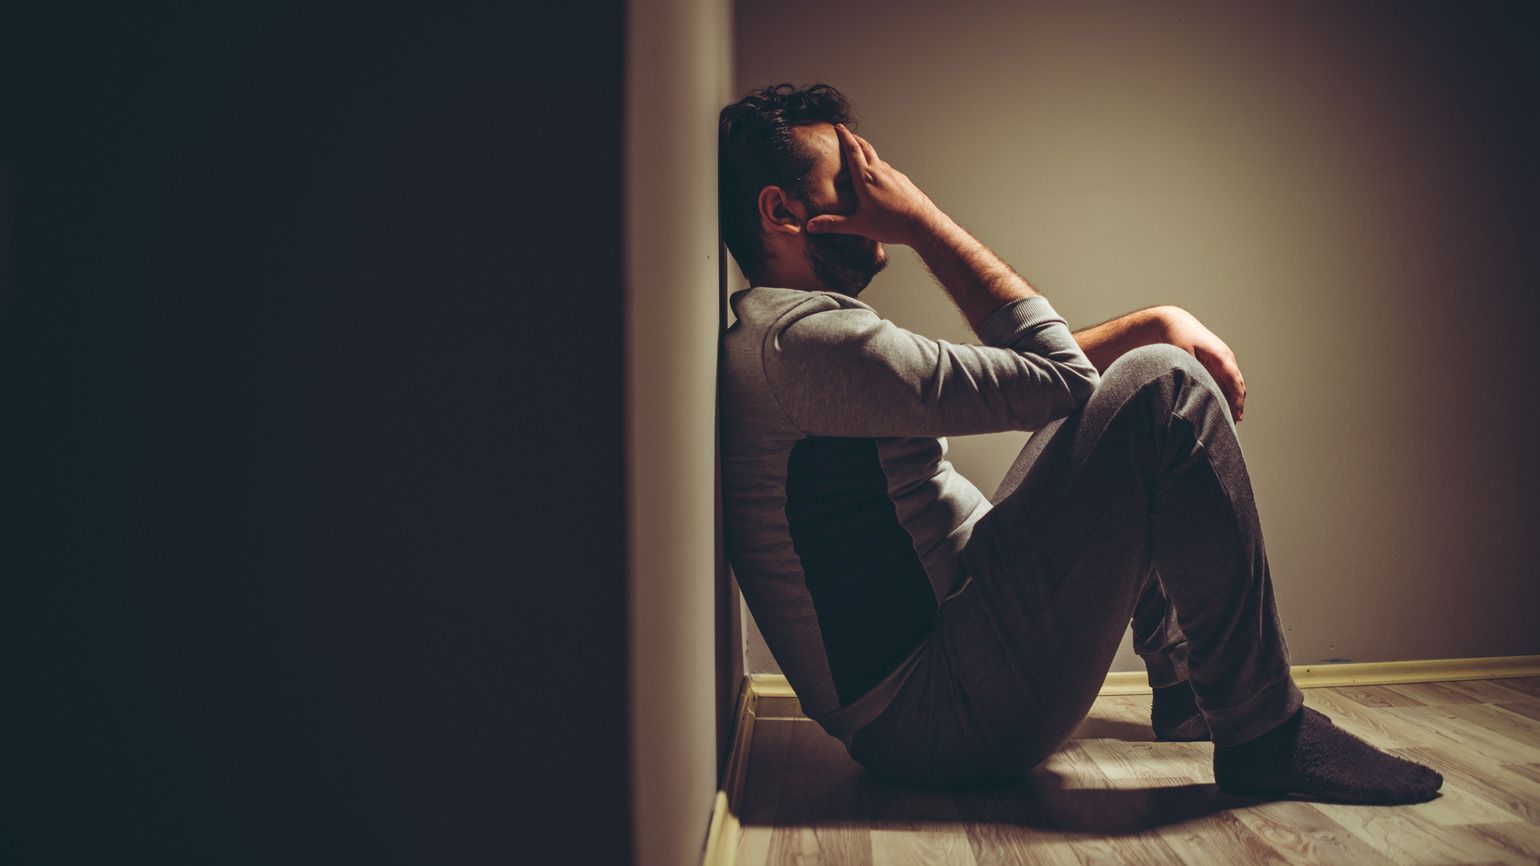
(929, 229)
(1167, 318)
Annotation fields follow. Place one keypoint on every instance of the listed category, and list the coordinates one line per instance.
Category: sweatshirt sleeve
(846, 371)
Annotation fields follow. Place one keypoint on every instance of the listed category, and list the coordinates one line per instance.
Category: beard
(844, 263)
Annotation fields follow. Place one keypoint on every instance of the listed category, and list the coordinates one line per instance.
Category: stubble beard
(843, 263)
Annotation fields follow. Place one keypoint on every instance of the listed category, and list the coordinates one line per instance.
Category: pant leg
(1146, 481)
(1158, 636)
(931, 734)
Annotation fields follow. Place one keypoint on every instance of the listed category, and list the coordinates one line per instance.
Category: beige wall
(676, 80)
(1331, 189)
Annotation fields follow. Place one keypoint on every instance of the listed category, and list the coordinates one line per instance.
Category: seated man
(943, 637)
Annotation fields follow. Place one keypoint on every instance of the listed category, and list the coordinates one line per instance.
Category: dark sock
(1310, 755)
(1175, 716)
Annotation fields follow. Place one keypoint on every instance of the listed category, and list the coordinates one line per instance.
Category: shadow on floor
(1044, 801)
(817, 784)
(1041, 800)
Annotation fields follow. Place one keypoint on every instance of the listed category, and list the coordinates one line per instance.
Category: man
(943, 637)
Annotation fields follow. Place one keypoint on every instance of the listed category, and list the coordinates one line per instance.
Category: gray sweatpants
(1136, 507)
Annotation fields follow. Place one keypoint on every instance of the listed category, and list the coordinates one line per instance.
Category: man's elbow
(1082, 382)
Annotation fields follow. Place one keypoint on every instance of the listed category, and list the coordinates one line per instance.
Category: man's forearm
(1106, 342)
(979, 281)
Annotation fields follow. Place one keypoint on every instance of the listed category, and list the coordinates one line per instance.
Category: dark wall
(311, 357)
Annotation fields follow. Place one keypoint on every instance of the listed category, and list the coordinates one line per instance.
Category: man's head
(780, 164)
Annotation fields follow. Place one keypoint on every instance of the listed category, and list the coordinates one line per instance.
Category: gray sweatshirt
(844, 520)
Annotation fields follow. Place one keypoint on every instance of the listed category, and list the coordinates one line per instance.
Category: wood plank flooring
(1112, 794)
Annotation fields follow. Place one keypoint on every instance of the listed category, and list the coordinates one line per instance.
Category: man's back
(845, 522)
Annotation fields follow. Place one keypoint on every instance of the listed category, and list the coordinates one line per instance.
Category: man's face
(843, 263)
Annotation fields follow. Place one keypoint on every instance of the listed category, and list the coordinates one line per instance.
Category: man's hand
(1185, 331)
(889, 207)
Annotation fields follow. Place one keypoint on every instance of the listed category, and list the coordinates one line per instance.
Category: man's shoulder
(773, 299)
(768, 308)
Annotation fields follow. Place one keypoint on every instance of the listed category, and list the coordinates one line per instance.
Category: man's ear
(779, 212)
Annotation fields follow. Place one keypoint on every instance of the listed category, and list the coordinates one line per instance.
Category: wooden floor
(1114, 795)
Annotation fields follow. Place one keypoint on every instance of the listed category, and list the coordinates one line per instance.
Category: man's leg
(1158, 639)
(1150, 474)
(1147, 475)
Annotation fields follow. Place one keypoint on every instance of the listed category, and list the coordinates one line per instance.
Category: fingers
(1235, 390)
(829, 223)
(1237, 393)
(866, 147)
(1227, 375)
(1232, 396)
(854, 153)
(1237, 387)
(863, 155)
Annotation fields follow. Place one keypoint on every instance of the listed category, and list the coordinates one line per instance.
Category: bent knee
(1152, 360)
(1137, 367)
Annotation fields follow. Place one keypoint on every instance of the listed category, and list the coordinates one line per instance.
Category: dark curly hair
(756, 149)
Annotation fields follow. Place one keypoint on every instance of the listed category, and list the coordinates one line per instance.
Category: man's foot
(1175, 716)
(1310, 755)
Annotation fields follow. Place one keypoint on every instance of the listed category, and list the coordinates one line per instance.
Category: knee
(1139, 367)
(1152, 361)
(1163, 372)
